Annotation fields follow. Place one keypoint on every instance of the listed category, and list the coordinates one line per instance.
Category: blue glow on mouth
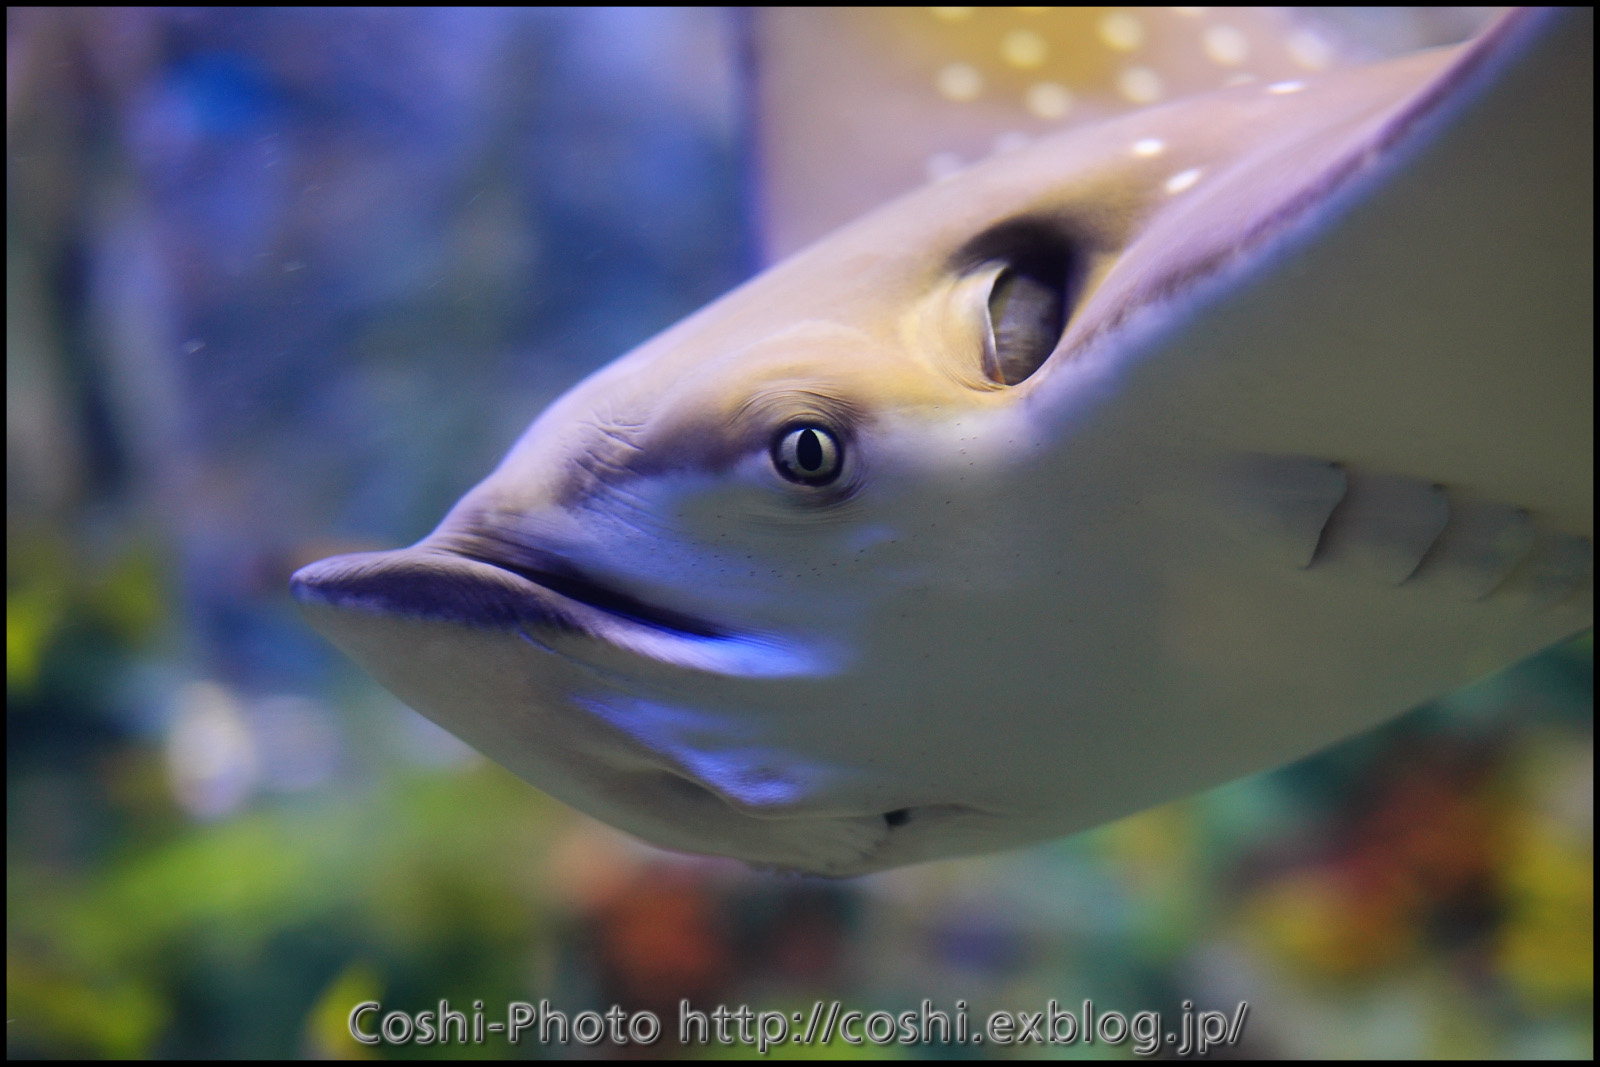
(714, 748)
(742, 657)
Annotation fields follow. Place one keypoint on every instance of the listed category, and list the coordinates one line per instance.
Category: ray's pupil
(808, 450)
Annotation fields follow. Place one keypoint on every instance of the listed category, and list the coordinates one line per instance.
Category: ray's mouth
(549, 571)
(484, 580)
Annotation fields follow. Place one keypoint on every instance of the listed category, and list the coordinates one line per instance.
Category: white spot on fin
(959, 82)
(1024, 49)
(1140, 85)
(1049, 100)
(1310, 50)
(1121, 31)
(1182, 180)
(1225, 45)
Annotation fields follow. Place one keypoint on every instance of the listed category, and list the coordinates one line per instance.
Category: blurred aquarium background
(282, 284)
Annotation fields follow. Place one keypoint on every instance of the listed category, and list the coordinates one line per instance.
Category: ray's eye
(809, 455)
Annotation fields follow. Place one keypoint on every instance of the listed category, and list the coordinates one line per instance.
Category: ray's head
(652, 606)
(725, 592)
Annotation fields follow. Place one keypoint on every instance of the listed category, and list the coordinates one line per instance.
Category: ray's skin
(958, 84)
(955, 84)
(849, 570)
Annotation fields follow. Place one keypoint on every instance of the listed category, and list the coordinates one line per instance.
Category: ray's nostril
(897, 817)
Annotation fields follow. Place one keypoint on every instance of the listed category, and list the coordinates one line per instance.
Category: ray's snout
(425, 583)
(481, 579)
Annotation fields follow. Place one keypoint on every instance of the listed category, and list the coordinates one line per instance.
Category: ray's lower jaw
(894, 838)
(679, 812)
(608, 769)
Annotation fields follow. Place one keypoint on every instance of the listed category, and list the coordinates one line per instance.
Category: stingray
(1146, 456)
